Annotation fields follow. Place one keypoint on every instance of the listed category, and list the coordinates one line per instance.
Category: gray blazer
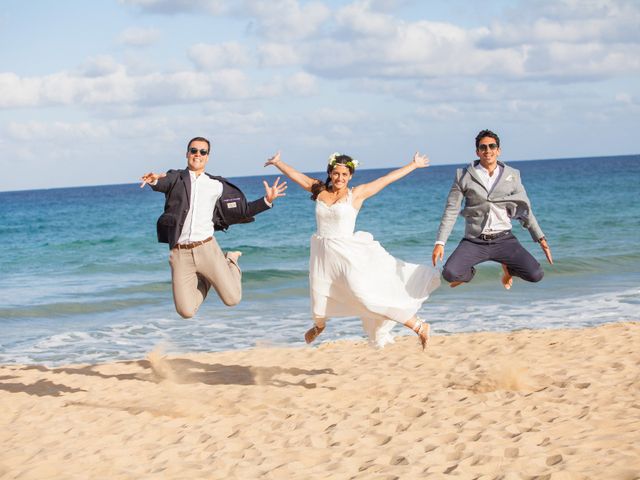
(507, 192)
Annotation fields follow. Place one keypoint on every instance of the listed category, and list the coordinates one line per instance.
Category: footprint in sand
(554, 460)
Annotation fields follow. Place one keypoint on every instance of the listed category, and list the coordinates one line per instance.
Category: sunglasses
(484, 147)
(202, 151)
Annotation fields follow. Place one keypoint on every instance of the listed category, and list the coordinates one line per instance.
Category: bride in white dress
(351, 274)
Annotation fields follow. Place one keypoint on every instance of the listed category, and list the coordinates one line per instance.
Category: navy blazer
(231, 208)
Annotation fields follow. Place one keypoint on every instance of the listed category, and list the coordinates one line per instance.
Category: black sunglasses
(202, 151)
(484, 147)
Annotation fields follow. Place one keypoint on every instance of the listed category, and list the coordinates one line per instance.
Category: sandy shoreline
(557, 404)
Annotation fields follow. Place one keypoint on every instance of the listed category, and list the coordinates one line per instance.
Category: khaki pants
(194, 271)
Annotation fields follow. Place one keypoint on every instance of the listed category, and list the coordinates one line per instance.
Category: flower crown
(353, 163)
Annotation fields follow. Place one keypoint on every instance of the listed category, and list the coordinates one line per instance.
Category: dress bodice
(337, 220)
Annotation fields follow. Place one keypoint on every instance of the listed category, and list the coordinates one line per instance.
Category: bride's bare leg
(313, 332)
(421, 328)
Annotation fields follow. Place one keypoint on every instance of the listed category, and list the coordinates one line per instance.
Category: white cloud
(579, 62)
(171, 7)
(16, 91)
(230, 122)
(156, 89)
(56, 131)
(326, 115)
(538, 40)
(287, 19)
(358, 19)
(278, 55)
(374, 49)
(615, 27)
(273, 19)
(420, 49)
(367, 39)
(367, 43)
(210, 57)
(64, 89)
(300, 83)
(569, 10)
(186, 86)
(139, 37)
(387, 5)
(439, 111)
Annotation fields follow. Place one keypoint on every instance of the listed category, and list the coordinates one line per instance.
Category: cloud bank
(320, 75)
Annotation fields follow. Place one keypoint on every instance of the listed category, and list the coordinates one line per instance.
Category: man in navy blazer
(197, 204)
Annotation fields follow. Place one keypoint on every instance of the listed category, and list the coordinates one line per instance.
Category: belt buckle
(493, 236)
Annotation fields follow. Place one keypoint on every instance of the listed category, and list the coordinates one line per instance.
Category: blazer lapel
(501, 177)
(186, 181)
(471, 169)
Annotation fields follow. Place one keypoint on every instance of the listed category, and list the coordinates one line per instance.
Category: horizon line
(322, 172)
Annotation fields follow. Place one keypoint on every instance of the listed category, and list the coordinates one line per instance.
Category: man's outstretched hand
(438, 254)
(546, 250)
(151, 178)
(274, 191)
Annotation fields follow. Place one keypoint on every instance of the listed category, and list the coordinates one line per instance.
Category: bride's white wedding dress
(351, 274)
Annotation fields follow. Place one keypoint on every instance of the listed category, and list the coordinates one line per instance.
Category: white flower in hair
(353, 163)
(333, 157)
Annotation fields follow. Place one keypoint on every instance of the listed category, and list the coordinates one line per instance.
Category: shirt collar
(486, 172)
(193, 176)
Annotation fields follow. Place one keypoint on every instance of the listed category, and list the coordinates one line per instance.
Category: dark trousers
(508, 250)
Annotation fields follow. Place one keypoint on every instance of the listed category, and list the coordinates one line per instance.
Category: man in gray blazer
(493, 195)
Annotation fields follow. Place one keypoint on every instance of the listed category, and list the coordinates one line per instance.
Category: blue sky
(101, 92)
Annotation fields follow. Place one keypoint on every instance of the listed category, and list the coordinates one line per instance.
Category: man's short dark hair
(199, 139)
(487, 133)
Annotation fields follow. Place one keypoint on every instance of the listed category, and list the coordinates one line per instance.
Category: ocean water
(83, 280)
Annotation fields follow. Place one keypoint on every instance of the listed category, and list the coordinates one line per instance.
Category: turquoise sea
(82, 278)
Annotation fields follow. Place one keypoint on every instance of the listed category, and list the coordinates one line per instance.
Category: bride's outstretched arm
(300, 178)
(362, 192)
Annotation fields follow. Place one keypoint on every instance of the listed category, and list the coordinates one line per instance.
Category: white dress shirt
(198, 225)
(498, 220)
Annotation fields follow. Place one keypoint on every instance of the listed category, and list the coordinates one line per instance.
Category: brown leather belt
(189, 246)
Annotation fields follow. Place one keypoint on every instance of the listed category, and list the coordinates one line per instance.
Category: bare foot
(507, 278)
(313, 333)
(455, 284)
(423, 334)
(422, 328)
(233, 256)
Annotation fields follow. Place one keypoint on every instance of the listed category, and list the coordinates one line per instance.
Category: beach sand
(532, 404)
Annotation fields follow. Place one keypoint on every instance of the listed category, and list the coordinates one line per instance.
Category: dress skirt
(355, 276)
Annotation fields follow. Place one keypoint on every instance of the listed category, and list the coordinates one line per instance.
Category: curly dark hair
(318, 187)
(487, 133)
